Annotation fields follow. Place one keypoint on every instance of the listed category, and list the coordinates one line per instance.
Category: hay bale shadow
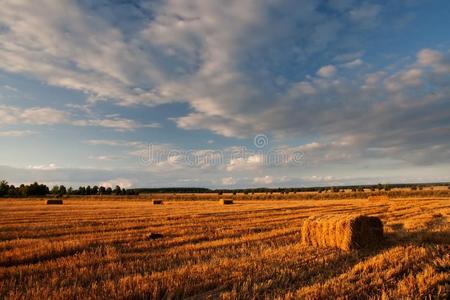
(397, 226)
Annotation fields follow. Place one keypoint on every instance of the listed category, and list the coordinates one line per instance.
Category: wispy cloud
(50, 116)
(16, 133)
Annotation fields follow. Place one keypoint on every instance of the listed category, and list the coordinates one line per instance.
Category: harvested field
(378, 198)
(89, 249)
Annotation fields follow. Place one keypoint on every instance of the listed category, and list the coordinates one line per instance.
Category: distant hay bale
(154, 236)
(378, 198)
(54, 201)
(157, 202)
(346, 233)
(226, 201)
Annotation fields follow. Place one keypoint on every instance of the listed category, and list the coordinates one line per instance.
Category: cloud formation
(291, 69)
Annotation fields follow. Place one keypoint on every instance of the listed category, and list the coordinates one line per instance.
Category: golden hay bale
(347, 233)
(54, 201)
(226, 201)
(378, 198)
(157, 202)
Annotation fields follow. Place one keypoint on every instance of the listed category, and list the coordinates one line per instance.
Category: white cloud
(353, 64)
(34, 115)
(302, 88)
(118, 143)
(43, 116)
(327, 71)
(346, 57)
(412, 77)
(16, 133)
(50, 166)
(267, 180)
(122, 182)
(251, 162)
(428, 57)
(119, 124)
(228, 181)
(105, 157)
(51, 116)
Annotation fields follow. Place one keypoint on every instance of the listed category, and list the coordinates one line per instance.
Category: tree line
(36, 189)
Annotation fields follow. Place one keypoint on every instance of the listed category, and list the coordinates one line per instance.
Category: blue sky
(334, 92)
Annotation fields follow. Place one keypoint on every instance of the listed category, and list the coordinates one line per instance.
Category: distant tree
(94, 190)
(4, 188)
(36, 189)
(55, 190)
(13, 191)
(70, 191)
(81, 190)
(117, 190)
(62, 190)
(108, 191)
(102, 190)
(88, 190)
(23, 190)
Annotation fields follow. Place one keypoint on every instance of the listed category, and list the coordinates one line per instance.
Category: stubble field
(87, 249)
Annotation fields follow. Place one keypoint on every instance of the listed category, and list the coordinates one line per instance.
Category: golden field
(92, 249)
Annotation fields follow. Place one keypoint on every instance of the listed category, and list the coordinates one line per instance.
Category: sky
(224, 94)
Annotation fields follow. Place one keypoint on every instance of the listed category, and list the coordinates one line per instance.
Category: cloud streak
(50, 116)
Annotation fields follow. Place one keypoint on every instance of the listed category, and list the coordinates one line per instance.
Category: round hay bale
(157, 202)
(226, 201)
(54, 202)
(346, 233)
